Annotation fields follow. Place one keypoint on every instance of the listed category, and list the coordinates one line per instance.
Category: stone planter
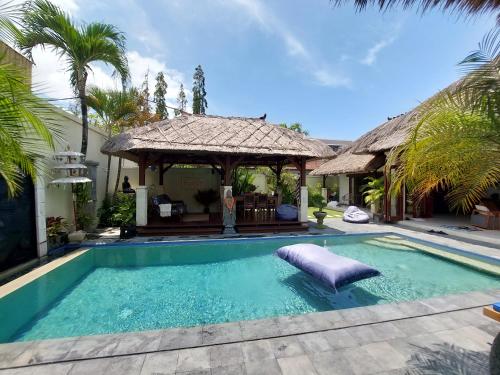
(320, 216)
(77, 236)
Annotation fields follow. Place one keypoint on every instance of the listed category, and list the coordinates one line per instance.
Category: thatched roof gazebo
(223, 142)
(349, 163)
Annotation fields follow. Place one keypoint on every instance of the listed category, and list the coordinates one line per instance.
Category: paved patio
(445, 335)
(442, 334)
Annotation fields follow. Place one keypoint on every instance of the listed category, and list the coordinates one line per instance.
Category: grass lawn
(329, 213)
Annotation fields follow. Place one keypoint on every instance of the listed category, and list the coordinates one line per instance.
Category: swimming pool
(135, 287)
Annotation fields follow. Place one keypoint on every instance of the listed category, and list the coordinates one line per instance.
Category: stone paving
(442, 334)
(445, 335)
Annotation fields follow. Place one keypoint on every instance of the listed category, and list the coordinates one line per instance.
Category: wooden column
(162, 170)
(303, 172)
(142, 171)
(324, 181)
(387, 198)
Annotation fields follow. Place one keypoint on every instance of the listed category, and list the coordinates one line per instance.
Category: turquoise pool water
(133, 288)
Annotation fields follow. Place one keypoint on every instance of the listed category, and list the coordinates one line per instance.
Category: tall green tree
(181, 101)
(159, 96)
(46, 25)
(199, 92)
(456, 143)
(296, 127)
(116, 110)
(27, 123)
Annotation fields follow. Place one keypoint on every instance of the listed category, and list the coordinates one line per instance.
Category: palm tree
(456, 143)
(116, 109)
(46, 25)
(469, 7)
(26, 121)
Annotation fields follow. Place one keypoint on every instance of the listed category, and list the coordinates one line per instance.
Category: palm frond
(468, 7)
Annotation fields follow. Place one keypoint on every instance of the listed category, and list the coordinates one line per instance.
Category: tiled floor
(439, 335)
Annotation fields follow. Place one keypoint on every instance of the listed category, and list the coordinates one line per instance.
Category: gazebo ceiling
(197, 138)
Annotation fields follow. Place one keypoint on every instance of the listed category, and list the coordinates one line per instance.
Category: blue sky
(338, 72)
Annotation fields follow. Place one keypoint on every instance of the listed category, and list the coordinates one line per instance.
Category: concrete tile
(359, 315)
(193, 359)
(15, 354)
(257, 350)
(238, 369)
(324, 320)
(426, 340)
(385, 355)
(178, 338)
(439, 304)
(409, 327)
(93, 347)
(52, 369)
(51, 350)
(225, 355)
(300, 365)
(196, 372)
(221, 333)
(265, 367)
(138, 342)
(361, 361)
(340, 338)
(256, 329)
(125, 365)
(92, 366)
(164, 363)
(470, 338)
(314, 342)
(387, 311)
(415, 308)
(468, 317)
(331, 363)
(289, 325)
(492, 328)
(286, 347)
(433, 323)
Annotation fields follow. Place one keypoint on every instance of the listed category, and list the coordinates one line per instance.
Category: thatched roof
(386, 136)
(204, 135)
(349, 163)
(394, 131)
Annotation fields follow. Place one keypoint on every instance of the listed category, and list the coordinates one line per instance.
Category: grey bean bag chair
(332, 269)
(354, 215)
(287, 212)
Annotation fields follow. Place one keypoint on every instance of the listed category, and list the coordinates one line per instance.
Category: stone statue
(229, 213)
(126, 188)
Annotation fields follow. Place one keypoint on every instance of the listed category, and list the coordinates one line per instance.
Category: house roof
(394, 131)
(349, 163)
(205, 134)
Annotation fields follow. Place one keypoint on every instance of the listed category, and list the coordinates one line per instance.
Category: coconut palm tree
(46, 25)
(456, 144)
(116, 109)
(26, 122)
(469, 7)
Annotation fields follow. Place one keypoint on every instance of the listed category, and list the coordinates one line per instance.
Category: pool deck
(381, 339)
(437, 333)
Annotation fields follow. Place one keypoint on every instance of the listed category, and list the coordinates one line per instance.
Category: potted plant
(318, 201)
(206, 198)
(124, 214)
(373, 193)
(56, 232)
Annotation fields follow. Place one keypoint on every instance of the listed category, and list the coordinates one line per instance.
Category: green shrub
(117, 211)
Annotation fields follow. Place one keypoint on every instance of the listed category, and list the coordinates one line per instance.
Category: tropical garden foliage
(27, 122)
(456, 143)
(46, 25)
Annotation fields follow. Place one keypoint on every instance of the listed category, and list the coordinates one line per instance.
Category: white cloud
(50, 76)
(371, 55)
(69, 6)
(311, 64)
